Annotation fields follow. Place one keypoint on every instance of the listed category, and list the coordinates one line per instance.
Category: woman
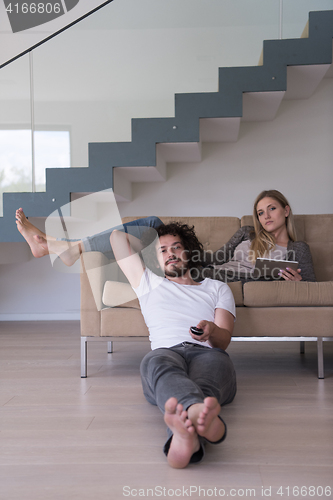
(273, 236)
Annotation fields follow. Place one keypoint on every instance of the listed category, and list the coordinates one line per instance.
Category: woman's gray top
(296, 250)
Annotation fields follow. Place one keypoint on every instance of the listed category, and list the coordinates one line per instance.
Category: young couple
(272, 235)
(189, 376)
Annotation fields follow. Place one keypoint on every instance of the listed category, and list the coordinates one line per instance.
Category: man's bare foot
(28, 232)
(205, 419)
(184, 441)
(41, 245)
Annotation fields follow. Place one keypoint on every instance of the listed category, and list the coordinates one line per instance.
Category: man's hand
(207, 327)
(217, 333)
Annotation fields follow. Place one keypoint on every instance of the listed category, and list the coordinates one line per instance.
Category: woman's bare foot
(184, 441)
(205, 419)
(29, 231)
(41, 245)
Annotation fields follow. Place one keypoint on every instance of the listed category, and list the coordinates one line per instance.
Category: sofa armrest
(98, 270)
(95, 270)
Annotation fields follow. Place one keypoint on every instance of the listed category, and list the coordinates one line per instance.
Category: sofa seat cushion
(288, 293)
(117, 294)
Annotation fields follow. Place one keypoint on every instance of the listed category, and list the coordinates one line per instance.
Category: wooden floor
(63, 437)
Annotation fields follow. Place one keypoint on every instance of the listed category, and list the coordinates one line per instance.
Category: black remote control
(196, 331)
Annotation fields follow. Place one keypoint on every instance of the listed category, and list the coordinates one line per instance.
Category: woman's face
(271, 214)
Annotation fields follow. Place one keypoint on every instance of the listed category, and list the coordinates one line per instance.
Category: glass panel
(130, 58)
(15, 128)
(296, 15)
(52, 149)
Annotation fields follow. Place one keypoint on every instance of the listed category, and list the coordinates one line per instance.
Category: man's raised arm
(125, 248)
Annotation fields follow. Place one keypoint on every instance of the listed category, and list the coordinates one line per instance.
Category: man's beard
(177, 271)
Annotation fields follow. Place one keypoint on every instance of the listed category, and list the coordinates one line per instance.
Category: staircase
(288, 69)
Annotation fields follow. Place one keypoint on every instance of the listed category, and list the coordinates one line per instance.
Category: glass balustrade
(15, 128)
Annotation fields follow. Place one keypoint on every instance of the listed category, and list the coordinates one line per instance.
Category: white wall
(34, 291)
(292, 153)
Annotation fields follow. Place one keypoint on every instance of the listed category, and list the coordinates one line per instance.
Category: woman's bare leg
(41, 244)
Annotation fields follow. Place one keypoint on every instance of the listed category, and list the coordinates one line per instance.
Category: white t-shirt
(170, 309)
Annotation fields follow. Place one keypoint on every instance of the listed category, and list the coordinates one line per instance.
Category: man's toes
(183, 415)
(179, 409)
(211, 403)
(171, 405)
(189, 425)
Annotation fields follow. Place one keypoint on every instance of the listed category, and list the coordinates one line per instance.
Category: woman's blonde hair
(263, 241)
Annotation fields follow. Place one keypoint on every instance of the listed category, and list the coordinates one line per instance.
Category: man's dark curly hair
(187, 236)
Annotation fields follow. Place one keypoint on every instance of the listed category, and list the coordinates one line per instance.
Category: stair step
(303, 80)
(261, 106)
(219, 129)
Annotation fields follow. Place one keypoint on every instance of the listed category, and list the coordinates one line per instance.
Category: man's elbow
(228, 339)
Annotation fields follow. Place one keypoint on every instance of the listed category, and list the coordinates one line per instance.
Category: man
(186, 374)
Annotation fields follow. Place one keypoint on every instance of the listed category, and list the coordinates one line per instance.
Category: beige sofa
(265, 310)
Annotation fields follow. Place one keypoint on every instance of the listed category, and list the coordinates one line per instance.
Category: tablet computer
(270, 268)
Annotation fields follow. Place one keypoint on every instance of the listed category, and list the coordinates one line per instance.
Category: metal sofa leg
(320, 353)
(110, 347)
(302, 347)
(84, 357)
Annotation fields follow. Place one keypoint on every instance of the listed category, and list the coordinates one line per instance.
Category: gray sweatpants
(190, 373)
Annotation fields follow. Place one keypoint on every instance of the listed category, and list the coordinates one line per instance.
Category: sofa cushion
(284, 322)
(120, 294)
(237, 290)
(247, 220)
(288, 293)
(317, 231)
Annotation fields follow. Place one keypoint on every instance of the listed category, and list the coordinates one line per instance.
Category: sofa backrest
(315, 230)
(213, 232)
